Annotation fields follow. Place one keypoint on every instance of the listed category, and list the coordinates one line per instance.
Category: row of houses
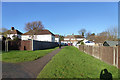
(92, 40)
(73, 39)
(43, 35)
(46, 35)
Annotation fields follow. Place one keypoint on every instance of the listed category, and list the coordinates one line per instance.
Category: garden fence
(110, 55)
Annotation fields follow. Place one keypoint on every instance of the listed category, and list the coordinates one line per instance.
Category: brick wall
(29, 45)
(26, 45)
(110, 55)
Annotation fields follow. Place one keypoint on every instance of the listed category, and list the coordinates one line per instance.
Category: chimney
(12, 28)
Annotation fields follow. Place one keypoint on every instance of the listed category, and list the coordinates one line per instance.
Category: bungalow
(73, 39)
(98, 40)
(110, 43)
(13, 33)
(43, 35)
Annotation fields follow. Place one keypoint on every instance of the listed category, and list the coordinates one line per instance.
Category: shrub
(16, 38)
(82, 43)
(8, 38)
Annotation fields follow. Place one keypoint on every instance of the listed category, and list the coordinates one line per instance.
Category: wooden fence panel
(110, 55)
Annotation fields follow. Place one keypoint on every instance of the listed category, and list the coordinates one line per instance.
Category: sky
(62, 18)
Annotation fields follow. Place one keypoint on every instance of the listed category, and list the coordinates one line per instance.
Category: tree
(82, 32)
(88, 34)
(34, 27)
(112, 33)
(16, 38)
(109, 34)
(4, 31)
(61, 38)
(93, 34)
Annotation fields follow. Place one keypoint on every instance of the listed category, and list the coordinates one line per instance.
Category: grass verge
(16, 56)
(71, 63)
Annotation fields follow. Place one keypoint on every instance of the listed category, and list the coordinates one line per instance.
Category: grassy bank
(22, 56)
(71, 63)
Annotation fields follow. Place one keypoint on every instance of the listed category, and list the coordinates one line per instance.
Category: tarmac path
(26, 70)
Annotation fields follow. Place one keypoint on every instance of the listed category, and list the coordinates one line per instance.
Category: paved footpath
(26, 69)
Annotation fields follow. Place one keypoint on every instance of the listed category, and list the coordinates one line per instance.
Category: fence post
(117, 57)
(93, 51)
(6, 45)
(113, 55)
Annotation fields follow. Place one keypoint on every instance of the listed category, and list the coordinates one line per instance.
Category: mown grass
(71, 63)
(22, 56)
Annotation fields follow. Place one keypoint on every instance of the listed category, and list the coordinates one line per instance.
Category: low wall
(110, 55)
(18, 45)
(27, 45)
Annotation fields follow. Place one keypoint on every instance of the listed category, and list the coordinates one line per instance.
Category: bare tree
(34, 27)
(109, 34)
(112, 33)
(3, 29)
(82, 32)
(88, 34)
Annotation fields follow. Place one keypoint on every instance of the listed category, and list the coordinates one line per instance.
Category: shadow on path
(105, 75)
(26, 69)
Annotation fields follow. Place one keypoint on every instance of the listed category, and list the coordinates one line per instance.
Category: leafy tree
(61, 38)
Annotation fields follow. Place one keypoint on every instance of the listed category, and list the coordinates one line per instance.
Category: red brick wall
(26, 45)
(18, 45)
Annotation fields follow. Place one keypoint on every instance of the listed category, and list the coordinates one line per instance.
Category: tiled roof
(13, 32)
(41, 32)
(97, 39)
(112, 43)
(78, 36)
(57, 36)
(74, 36)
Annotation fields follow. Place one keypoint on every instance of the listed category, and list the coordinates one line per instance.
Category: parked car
(89, 43)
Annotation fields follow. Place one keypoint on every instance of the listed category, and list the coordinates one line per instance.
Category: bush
(16, 38)
(8, 38)
(79, 42)
(82, 43)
